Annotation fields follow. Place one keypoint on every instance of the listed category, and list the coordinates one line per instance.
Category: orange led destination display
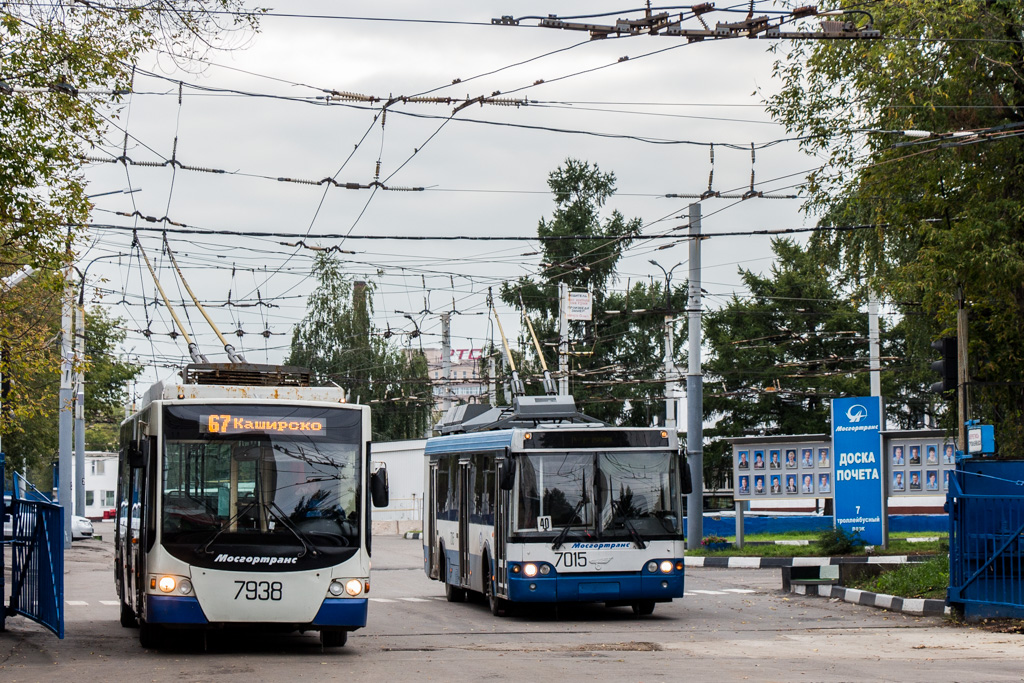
(237, 424)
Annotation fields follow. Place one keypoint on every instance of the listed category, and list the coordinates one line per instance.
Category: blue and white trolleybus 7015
(537, 503)
(243, 500)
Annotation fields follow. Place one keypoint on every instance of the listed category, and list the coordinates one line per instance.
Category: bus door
(501, 515)
(430, 516)
(465, 493)
(133, 508)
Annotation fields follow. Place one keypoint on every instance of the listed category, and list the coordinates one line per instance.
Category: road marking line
(415, 600)
(738, 590)
(77, 603)
(709, 592)
(381, 600)
(109, 602)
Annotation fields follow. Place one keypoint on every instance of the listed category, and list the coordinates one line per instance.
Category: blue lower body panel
(342, 612)
(596, 587)
(170, 609)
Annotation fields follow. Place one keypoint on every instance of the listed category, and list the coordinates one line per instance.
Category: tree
(587, 262)
(106, 379)
(336, 342)
(944, 212)
(778, 356)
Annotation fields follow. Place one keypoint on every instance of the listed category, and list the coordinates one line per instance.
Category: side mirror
(136, 458)
(379, 493)
(687, 479)
(508, 474)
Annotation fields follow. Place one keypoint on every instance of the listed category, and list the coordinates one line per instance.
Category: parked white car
(81, 528)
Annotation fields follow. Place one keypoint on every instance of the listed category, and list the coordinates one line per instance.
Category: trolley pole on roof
(694, 392)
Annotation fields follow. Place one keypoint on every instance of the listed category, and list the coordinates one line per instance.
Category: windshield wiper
(307, 544)
(565, 530)
(633, 533)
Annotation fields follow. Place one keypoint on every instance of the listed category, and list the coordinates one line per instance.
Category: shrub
(838, 541)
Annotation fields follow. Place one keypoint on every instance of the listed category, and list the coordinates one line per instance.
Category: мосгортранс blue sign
(857, 458)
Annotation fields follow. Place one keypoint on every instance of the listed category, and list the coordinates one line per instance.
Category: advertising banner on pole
(859, 487)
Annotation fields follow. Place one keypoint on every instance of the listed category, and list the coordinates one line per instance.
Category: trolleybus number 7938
(259, 590)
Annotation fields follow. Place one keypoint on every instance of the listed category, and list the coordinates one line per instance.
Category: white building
(100, 483)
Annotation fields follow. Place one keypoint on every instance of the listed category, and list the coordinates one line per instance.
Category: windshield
(261, 475)
(599, 495)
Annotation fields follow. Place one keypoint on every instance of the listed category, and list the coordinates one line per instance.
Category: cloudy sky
(258, 113)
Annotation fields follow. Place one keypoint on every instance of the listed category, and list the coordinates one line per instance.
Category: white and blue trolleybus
(243, 500)
(537, 503)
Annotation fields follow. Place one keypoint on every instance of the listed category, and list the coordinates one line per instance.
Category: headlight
(185, 587)
(336, 588)
(353, 587)
(666, 566)
(166, 583)
(530, 569)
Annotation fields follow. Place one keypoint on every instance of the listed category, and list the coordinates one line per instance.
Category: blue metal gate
(986, 530)
(37, 563)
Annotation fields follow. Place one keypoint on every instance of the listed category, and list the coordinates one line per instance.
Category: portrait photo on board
(823, 459)
(807, 485)
(774, 460)
(931, 480)
(915, 481)
(758, 460)
(915, 455)
(807, 457)
(744, 485)
(758, 484)
(791, 459)
(791, 483)
(947, 454)
(743, 460)
(824, 485)
(897, 455)
(897, 482)
(931, 456)
(776, 484)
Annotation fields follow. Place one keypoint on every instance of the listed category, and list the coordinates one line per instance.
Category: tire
(454, 593)
(127, 616)
(150, 636)
(333, 637)
(451, 593)
(643, 608)
(499, 606)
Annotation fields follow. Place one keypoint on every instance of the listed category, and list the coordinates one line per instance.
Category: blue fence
(37, 562)
(986, 527)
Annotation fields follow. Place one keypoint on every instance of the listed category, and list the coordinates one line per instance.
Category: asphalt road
(734, 624)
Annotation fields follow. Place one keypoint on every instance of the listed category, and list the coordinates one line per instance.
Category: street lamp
(670, 374)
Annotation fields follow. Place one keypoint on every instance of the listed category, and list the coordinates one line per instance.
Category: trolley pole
(694, 392)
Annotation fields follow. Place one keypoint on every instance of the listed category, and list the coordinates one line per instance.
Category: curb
(916, 606)
(414, 534)
(775, 562)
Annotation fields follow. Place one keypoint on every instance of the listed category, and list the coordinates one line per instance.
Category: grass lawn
(898, 545)
(918, 580)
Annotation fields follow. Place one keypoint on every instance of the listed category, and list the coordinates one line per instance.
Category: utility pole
(492, 387)
(962, 376)
(874, 350)
(446, 360)
(79, 426)
(563, 339)
(66, 399)
(694, 392)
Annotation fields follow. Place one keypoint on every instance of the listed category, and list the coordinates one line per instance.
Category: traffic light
(947, 367)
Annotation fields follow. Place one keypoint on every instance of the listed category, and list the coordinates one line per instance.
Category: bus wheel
(333, 637)
(150, 636)
(499, 606)
(454, 593)
(643, 608)
(127, 616)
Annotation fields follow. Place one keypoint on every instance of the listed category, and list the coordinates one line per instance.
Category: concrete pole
(874, 347)
(492, 387)
(446, 360)
(66, 400)
(79, 427)
(563, 339)
(694, 392)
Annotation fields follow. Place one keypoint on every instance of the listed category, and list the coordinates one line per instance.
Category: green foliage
(613, 357)
(946, 211)
(336, 342)
(838, 541)
(779, 355)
